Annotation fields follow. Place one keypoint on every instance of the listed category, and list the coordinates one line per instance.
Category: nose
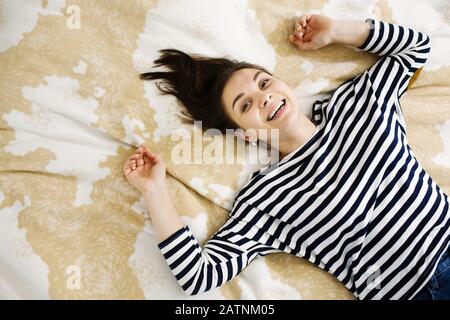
(267, 100)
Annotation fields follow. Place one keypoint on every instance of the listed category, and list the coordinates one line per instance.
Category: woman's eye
(247, 104)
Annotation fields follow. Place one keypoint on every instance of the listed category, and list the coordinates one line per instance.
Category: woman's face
(255, 100)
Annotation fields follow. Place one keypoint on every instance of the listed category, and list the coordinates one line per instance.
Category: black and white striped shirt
(353, 199)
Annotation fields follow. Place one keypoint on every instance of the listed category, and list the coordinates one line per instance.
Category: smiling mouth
(273, 113)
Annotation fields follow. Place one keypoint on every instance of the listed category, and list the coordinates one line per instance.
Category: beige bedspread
(72, 109)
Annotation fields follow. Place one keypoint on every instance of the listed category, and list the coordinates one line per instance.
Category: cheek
(255, 121)
(287, 90)
(249, 120)
(291, 94)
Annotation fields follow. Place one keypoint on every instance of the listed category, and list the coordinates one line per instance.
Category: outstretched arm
(314, 31)
(352, 33)
(404, 50)
(221, 259)
(196, 269)
(146, 172)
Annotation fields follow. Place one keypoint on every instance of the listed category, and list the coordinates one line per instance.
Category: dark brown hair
(198, 83)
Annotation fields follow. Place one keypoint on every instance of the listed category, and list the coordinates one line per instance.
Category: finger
(141, 149)
(144, 150)
(298, 38)
(156, 158)
(133, 173)
(299, 34)
(297, 26)
(140, 162)
(302, 45)
(150, 154)
(303, 21)
(131, 164)
(127, 171)
(293, 37)
(147, 159)
(307, 37)
(150, 157)
(134, 156)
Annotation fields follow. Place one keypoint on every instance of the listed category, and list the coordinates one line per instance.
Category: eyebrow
(241, 94)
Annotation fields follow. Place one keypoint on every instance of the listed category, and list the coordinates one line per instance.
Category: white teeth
(272, 114)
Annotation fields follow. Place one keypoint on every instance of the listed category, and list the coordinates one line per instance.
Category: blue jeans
(438, 288)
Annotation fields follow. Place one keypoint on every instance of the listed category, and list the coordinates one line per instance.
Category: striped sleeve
(221, 259)
(404, 50)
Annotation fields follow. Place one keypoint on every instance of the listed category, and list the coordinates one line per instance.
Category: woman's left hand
(312, 31)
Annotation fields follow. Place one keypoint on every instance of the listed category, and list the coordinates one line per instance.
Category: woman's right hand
(312, 31)
(145, 171)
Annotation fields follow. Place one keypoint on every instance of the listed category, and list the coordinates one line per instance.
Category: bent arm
(404, 51)
(221, 259)
(352, 33)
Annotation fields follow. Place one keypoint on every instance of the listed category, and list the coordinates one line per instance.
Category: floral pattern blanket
(72, 109)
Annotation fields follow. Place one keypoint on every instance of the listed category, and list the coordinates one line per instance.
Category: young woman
(348, 193)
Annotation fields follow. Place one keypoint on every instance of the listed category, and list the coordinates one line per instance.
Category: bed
(73, 109)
